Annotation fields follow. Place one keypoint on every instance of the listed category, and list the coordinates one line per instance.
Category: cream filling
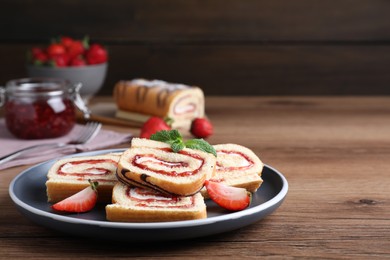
(170, 162)
(152, 200)
(70, 168)
(231, 159)
(186, 108)
(153, 160)
(147, 196)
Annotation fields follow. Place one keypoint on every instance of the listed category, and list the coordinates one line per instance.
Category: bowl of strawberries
(75, 60)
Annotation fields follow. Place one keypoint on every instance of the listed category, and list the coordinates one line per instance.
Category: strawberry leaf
(94, 184)
(169, 121)
(85, 42)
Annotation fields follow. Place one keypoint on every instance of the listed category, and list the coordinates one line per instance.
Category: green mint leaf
(177, 146)
(174, 135)
(163, 136)
(171, 137)
(201, 144)
(175, 140)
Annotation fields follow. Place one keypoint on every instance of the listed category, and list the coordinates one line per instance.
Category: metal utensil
(89, 131)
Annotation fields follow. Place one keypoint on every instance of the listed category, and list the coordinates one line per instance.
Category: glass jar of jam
(37, 108)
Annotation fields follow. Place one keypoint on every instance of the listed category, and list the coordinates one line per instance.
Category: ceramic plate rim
(150, 225)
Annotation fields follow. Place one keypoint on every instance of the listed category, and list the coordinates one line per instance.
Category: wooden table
(335, 153)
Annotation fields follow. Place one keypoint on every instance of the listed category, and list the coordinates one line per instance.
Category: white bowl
(91, 76)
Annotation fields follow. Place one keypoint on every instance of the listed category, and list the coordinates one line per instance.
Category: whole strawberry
(38, 56)
(96, 54)
(78, 61)
(55, 49)
(201, 128)
(153, 125)
(75, 49)
(65, 51)
(66, 41)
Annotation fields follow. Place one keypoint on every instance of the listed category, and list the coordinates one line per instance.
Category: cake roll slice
(237, 166)
(133, 204)
(153, 164)
(139, 99)
(70, 175)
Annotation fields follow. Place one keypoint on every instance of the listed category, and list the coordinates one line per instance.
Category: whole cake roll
(152, 164)
(132, 204)
(140, 98)
(69, 176)
(237, 166)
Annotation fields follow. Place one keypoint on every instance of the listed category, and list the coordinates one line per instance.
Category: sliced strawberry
(230, 198)
(82, 201)
(153, 125)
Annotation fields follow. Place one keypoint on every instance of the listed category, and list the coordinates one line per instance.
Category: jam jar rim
(25, 87)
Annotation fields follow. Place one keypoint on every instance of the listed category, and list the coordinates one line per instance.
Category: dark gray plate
(28, 191)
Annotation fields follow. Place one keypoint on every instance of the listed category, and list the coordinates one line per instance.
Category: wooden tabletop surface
(334, 152)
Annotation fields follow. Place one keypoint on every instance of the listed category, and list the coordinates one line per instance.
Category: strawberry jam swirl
(149, 198)
(244, 162)
(184, 106)
(151, 162)
(84, 169)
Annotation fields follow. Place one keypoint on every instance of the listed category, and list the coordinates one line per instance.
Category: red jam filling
(145, 164)
(165, 201)
(189, 107)
(90, 172)
(40, 118)
(220, 167)
(161, 162)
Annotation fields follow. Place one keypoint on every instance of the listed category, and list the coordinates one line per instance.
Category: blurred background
(227, 47)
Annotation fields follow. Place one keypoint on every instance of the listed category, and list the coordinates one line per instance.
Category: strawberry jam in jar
(37, 108)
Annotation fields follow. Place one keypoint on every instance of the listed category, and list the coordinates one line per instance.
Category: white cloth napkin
(9, 144)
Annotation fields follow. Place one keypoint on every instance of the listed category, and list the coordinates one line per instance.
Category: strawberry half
(82, 201)
(153, 125)
(231, 198)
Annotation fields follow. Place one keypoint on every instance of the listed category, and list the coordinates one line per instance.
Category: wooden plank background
(228, 47)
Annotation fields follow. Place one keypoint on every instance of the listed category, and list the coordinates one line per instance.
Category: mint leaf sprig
(200, 144)
(171, 137)
(175, 140)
